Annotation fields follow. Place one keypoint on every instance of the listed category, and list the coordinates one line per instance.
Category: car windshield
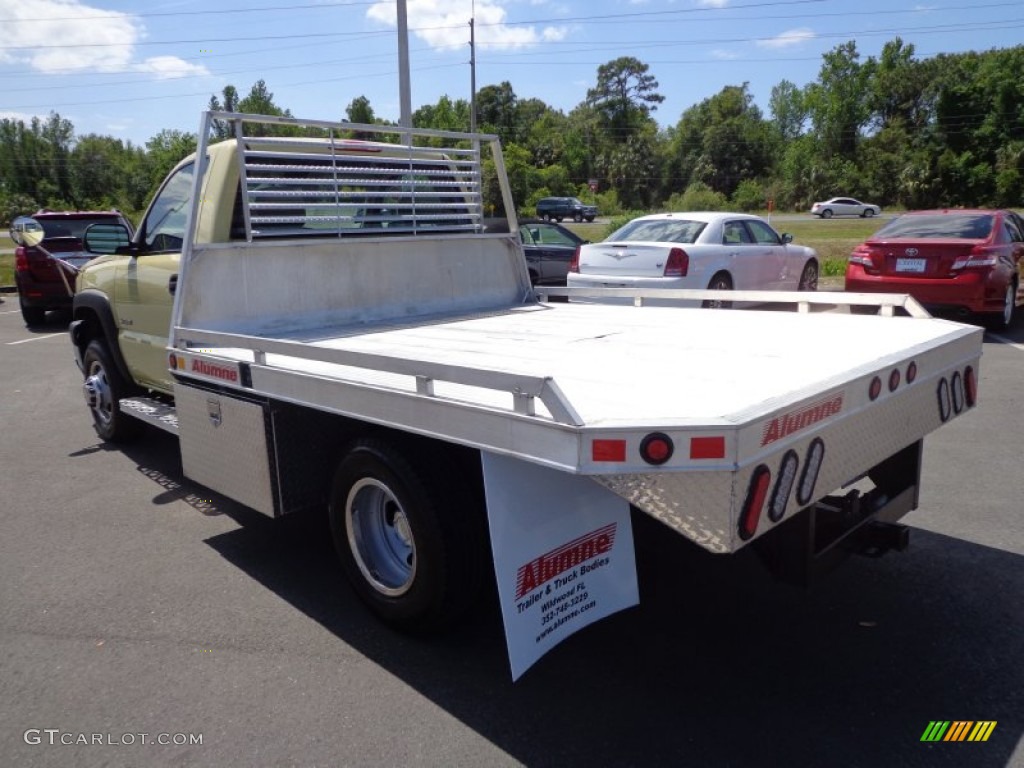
(68, 227)
(968, 226)
(660, 231)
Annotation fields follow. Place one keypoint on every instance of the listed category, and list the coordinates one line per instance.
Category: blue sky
(130, 69)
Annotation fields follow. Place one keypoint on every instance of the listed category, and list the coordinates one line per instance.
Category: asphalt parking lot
(136, 602)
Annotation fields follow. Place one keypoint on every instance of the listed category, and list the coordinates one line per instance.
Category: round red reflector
(875, 389)
(970, 386)
(911, 372)
(656, 448)
(894, 379)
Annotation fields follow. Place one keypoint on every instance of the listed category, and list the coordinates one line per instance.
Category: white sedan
(845, 206)
(717, 251)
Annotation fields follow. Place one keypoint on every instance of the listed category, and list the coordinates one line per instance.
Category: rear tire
(103, 388)
(826, 214)
(31, 315)
(809, 277)
(720, 282)
(1004, 319)
(410, 539)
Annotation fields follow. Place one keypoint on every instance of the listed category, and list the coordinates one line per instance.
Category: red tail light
(980, 256)
(678, 263)
(20, 259)
(750, 515)
(864, 255)
(574, 264)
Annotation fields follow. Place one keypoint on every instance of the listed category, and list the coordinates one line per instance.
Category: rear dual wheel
(410, 539)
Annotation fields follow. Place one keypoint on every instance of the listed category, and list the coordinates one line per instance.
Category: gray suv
(559, 208)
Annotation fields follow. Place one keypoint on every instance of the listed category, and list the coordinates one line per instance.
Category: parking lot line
(1006, 341)
(34, 338)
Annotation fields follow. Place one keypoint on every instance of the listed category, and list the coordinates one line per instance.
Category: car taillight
(574, 264)
(678, 263)
(865, 257)
(980, 256)
(20, 259)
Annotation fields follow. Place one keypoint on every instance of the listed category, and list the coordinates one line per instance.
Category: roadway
(135, 601)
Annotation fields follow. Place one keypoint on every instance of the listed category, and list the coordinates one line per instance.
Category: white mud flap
(563, 554)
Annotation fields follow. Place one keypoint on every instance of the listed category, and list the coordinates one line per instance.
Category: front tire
(720, 282)
(103, 389)
(868, 213)
(411, 543)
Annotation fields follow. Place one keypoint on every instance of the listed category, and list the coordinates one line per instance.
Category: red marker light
(894, 379)
(608, 450)
(707, 447)
(911, 372)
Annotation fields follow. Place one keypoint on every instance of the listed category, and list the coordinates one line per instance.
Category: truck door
(145, 290)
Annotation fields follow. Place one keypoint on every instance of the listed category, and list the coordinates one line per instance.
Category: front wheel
(809, 277)
(868, 213)
(407, 539)
(720, 282)
(103, 389)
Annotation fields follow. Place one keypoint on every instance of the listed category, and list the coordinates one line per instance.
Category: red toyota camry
(960, 261)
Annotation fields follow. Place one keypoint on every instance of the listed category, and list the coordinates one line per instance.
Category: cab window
(164, 228)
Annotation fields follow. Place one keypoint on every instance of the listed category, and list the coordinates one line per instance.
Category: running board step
(151, 411)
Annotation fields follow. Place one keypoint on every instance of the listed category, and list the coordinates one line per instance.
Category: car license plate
(910, 265)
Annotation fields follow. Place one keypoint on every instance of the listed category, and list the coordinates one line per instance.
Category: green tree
(838, 102)
(624, 97)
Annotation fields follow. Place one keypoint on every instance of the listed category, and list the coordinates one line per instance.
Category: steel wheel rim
(380, 538)
(97, 392)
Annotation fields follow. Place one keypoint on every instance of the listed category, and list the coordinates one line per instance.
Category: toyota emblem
(911, 251)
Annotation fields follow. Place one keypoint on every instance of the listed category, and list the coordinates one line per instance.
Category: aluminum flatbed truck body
(355, 291)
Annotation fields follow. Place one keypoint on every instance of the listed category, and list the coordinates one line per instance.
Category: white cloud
(170, 67)
(444, 24)
(713, 3)
(55, 36)
(788, 38)
(62, 36)
(724, 55)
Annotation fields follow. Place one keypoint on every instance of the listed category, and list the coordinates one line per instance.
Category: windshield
(968, 226)
(659, 231)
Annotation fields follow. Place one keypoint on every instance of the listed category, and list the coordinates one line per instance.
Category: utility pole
(404, 92)
(472, 72)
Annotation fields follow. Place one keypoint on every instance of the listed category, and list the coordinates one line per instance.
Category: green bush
(749, 197)
(697, 197)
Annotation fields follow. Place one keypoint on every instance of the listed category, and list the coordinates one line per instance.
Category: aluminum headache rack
(326, 178)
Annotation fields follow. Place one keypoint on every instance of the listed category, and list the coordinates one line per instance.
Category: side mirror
(27, 232)
(786, 238)
(106, 238)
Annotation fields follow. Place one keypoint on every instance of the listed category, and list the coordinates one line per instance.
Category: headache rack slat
(336, 186)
